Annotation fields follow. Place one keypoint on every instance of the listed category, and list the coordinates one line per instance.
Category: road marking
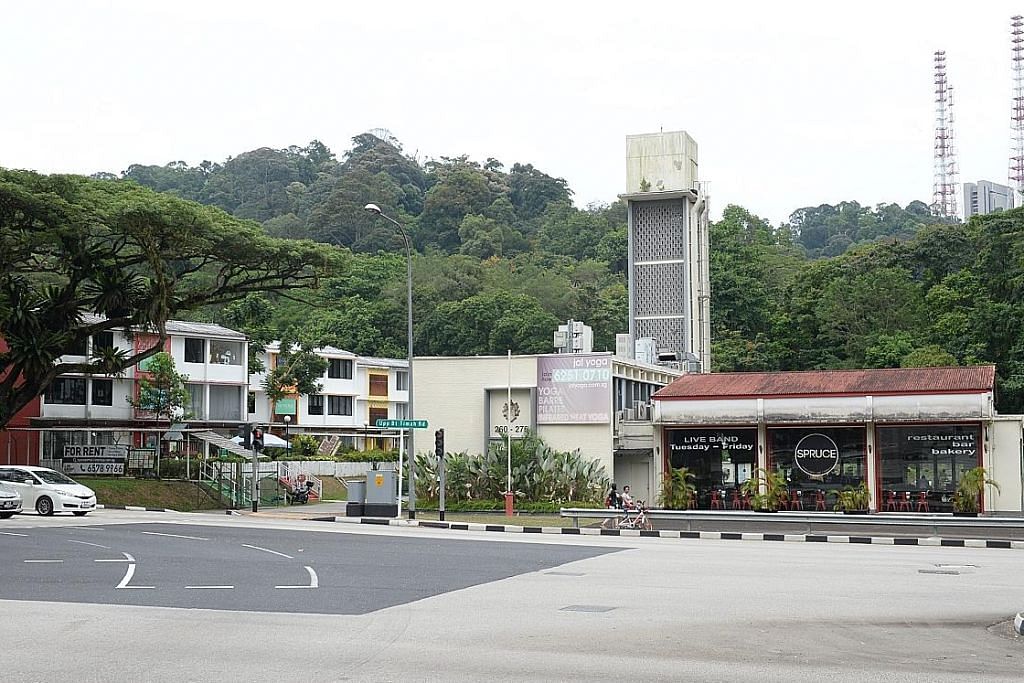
(11, 533)
(112, 560)
(313, 581)
(267, 550)
(208, 587)
(191, 538)
(129, 574)
(44, 561)
(95, 545)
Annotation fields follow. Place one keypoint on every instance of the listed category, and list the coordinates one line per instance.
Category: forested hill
(503, 256)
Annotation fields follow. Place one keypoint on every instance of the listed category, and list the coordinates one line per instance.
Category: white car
(47, 490)
(10, 502)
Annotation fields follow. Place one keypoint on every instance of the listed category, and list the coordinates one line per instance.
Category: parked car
(47, 490)
(10, 502)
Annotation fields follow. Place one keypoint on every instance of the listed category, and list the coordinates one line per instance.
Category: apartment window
(251, 407)
(102, 340)
(378, 385)
(315, 406)
(77, 348)
(197, 400)
(225, 352)
(67, 391)
(401, 411)
(195, 350)
(378, 414)
(102, 392)
(339, 405)
(339, 368)
(225, 402)
(402, 381)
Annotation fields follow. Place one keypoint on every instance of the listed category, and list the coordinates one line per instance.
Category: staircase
(291, 476)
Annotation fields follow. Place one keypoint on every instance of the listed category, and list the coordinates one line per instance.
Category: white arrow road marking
(44, 561)
(266, 550)
(95, 545)
(111, 560)
(11, 533)
(191, 538)
(313, 581)
(129, 574)
(208, 587)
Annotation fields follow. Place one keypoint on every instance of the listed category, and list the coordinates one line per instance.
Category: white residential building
(95, 409)
(985, 197)
(356, 391)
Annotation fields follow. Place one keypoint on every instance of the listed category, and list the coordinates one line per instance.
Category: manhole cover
(586, 608)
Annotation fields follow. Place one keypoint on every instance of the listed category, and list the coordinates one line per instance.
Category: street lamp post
(287, 423)
(374, 209)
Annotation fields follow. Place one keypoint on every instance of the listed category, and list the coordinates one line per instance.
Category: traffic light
(257, 439)
(439, 443)
(245, 434)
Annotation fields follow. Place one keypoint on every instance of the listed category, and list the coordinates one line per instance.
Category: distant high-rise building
(669, 290)
(985, 196)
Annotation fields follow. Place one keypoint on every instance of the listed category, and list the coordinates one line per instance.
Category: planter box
(855, 512)
(957, 513)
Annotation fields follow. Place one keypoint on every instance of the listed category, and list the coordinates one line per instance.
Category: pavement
(394, 603)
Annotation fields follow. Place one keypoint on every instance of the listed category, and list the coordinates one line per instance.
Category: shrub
(677, 489)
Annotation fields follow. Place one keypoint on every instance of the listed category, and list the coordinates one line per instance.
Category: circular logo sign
(816, 455)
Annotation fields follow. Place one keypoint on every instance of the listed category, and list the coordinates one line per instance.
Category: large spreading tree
(81, 256)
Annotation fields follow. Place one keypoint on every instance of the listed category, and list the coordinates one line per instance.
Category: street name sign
(401, 424)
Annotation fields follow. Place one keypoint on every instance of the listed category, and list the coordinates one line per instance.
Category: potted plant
(677, 489)
(853, 500)
(967, 499)
(766, 489)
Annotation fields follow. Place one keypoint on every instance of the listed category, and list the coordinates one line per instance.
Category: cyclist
(626, 499)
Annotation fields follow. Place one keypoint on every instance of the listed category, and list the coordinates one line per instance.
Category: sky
(791, 103)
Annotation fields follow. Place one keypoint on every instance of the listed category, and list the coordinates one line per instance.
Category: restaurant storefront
(908, 435)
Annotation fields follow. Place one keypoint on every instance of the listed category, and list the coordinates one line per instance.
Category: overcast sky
(791, 103)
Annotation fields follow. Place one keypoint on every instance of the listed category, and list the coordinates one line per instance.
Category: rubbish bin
(356, 497)
(381, 500)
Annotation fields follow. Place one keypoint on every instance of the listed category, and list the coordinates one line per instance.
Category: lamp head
(287, 419)
(372, 208)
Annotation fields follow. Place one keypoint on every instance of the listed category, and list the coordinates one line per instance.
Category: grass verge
(175, 495)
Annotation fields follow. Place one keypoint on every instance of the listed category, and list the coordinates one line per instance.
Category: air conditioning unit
(630, 414)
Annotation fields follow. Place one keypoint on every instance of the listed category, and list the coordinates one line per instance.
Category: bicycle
(636, 518)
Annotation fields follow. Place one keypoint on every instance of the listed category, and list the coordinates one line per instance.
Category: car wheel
(6, 515)
(80, 514)
(44, 506)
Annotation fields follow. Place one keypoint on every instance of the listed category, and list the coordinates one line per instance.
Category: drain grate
(586, 608)
(564, 573)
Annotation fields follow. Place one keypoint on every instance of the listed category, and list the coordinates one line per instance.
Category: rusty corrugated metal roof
(824, 382)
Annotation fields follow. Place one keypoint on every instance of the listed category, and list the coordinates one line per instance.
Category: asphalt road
(486, 606)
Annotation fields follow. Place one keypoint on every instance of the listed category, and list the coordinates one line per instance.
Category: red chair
(890, 501)
(746, 501)
(819, 501)
(904, 502)
(737, 502)
(922, 502)
(716, 501)
(796, 502)
(784, 502)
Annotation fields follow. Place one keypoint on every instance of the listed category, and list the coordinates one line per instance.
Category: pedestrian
(612, 502)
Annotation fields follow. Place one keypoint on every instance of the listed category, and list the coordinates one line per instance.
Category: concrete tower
(669, 289)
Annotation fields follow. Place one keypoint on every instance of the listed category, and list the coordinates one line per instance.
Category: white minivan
(47, 490)
(10, 502)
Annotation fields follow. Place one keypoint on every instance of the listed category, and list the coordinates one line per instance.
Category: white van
(47, 490)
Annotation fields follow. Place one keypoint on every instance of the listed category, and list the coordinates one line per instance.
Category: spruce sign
(816, 455)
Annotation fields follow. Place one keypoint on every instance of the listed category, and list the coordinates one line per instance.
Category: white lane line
(44, 561)
(95, 545)
(129, 574)
(313, 581)
(11, 533)
(196, 588)
(191, 538)
(267, 550)
(111, 560)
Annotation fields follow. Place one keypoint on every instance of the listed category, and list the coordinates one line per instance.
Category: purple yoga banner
(574, 388)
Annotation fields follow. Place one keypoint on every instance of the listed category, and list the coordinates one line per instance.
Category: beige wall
(593, 440)
(1002, 458)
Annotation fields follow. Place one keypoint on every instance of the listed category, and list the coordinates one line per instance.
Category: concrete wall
(668, 161)
(1003, 460)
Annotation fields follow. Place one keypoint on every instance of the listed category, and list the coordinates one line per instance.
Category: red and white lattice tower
(1016, 175)
(946, 183)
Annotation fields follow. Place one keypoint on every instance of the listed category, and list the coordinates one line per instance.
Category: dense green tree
(84, 256)
(531, 191)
